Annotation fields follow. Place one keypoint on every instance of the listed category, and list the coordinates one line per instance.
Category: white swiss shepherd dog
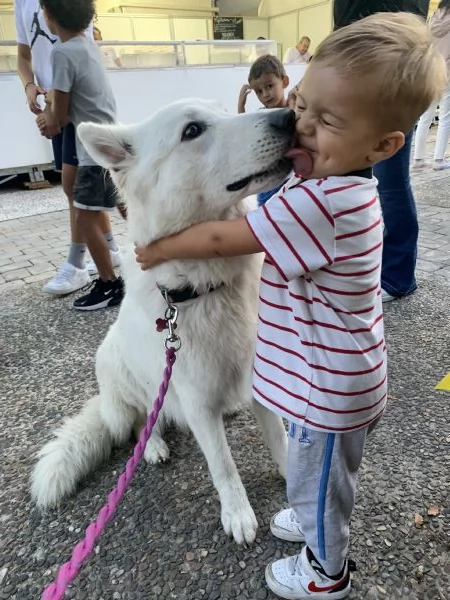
(190, 162)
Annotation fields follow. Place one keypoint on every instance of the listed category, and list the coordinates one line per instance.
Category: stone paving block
(42, 267)
(427, 266)
(16, 274)
(4, 261)
(14, 266)
(40, 277)
(12, 285)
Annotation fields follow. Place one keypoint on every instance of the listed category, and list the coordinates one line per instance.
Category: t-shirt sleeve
(296, 230)
(63, 71)
(21, 32)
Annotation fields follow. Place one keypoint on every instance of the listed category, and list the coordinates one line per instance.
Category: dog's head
(191, 160)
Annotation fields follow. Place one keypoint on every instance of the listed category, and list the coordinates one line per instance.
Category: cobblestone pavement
(166, 541)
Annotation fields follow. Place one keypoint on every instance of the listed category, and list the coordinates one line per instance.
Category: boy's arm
(212, 239)
(245, 91)
(60, 106)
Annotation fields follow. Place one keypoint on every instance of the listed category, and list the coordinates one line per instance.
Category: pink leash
(69, 570)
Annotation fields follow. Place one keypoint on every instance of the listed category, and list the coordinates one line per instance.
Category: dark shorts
(64, 148)
(94, 189)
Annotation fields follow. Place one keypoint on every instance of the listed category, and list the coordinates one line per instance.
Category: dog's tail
(80, 445)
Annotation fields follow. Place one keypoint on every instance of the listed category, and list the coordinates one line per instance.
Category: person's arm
(212, 239)
(25, 71)
(242, 100)
(60, 107)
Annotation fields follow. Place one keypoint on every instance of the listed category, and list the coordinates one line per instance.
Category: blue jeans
(400, 222)
(264, 196)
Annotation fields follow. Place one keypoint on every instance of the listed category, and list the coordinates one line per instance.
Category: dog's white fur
(169, 183)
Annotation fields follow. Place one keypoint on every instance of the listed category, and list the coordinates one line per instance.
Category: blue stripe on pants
(323, 495)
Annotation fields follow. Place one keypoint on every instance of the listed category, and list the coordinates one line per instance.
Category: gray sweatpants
(321, 484)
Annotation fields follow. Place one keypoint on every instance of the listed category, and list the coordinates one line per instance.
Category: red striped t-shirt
(320, 354)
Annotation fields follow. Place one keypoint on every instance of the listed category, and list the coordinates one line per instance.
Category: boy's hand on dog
(245, 91)
(148, 256)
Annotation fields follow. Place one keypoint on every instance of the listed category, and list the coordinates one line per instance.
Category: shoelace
(62, 275)
(94, 285)
(295, 565)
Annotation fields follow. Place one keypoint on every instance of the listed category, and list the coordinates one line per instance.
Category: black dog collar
(184, 294)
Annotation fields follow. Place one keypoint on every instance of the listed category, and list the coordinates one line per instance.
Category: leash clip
(171, 316)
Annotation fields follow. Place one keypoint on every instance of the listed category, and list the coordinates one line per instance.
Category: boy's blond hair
(394, 55)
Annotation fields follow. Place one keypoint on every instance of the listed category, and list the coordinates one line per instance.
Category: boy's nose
(283, 119)
(305, 125)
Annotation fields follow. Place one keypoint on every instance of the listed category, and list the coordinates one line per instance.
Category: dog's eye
(192, 131)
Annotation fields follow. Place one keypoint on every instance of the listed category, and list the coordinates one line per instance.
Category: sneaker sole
(66, 292)
(106, 304)
(274, 586)
(284, 534)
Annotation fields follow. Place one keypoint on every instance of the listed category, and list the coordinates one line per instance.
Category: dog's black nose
(282, 119)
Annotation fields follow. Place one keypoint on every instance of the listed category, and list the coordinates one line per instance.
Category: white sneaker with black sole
(68, 279)
(102, 294)
(116, 260)
(284, 526)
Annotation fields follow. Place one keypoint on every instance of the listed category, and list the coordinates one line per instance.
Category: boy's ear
(285, 81)
(388, 145)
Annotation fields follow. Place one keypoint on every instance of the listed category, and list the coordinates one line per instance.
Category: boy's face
(336, 127)
(270, 90)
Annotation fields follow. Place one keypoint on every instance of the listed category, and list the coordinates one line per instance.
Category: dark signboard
(228, 28)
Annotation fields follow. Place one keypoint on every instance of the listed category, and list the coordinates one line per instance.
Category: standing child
(268, 79)
(81, 92)
(321, 355)
(34, 47)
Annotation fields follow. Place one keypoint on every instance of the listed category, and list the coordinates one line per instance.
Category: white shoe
(385, 297)
(300, 577)
(116, 259)
(440, 165)
(68, 279)
(419, 163)
(285, 526)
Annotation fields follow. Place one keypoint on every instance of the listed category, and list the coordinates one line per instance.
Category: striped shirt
(321, 355)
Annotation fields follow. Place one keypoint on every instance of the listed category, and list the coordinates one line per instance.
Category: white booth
(144, 77)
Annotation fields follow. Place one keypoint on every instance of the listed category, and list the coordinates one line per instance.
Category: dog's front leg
(274, 434)
(238, 518)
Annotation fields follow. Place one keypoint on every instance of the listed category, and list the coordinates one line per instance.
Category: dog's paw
(156, 451)
(241, 523)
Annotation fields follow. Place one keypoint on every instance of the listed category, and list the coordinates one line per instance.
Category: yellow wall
(313, 18)
(173, 7)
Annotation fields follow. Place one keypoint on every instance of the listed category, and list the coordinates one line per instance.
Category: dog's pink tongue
(302, 161)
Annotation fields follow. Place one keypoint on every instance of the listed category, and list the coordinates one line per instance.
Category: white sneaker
(419, 163)
(300, 577)
(116, 259)
(440, 165)
(385, 297)
(68, 279)
(284, 526)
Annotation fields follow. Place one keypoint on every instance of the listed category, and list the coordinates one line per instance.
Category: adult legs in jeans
(443, 131)
(400, 222)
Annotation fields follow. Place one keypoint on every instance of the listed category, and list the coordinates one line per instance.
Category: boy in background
(268, 79)
(81, 92)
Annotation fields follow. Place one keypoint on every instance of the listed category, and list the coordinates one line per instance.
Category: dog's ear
(109, 145)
